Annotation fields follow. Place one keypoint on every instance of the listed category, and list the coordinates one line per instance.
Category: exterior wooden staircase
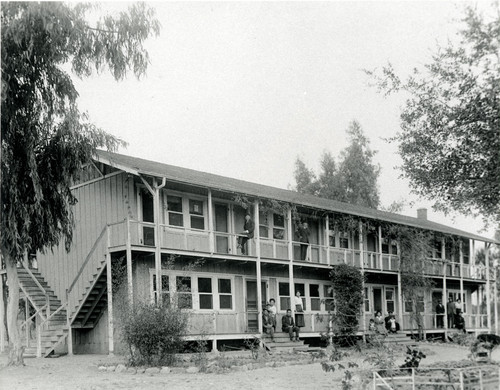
(49, 317)
(282, 343)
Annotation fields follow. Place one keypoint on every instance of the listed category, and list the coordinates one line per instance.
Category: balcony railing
(195, 240)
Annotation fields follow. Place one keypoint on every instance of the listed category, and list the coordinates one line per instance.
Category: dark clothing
(460, 323)
(268, 325)
(450, 308)
(249, 227)
(288, 325)
(303, 235)
(440, 315)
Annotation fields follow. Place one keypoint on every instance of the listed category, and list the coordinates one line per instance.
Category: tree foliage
(352, 180)
(347, 282)
(450, 124)
(45, 139)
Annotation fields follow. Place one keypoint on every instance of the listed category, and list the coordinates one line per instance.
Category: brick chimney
(422, 213)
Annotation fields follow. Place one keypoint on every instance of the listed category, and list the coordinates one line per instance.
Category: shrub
(153, 334)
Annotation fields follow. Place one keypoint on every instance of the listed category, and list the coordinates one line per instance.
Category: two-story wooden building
(134, 214)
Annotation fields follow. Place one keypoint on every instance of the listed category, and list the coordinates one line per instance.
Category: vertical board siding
(99, 203)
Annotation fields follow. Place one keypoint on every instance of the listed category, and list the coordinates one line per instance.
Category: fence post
(39, 341)
(461, 380)
(413, 378)
(374, 381)
(480, 378)
(27, 323)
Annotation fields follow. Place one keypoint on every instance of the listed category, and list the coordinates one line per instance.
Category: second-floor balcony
(181, 239)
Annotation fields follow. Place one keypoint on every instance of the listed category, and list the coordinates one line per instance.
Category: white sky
(242, 89)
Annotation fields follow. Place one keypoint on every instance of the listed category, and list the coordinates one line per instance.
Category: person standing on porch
(450, 308)
(299, 310)
(440, 314)
(248, 229)
(303, 235)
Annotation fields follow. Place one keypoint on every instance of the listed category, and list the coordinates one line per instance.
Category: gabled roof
(138, 166)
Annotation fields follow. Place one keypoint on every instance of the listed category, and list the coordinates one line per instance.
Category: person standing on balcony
(248, 229)
(450, 308)
(303, 235)
(440, 314)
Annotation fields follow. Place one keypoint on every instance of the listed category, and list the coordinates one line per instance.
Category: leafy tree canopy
(352, 180)
(450, 124)
(45, 138)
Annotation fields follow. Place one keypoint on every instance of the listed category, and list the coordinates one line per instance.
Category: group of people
(384, 325)
(455, 315)
(248, 233)
(288, 323)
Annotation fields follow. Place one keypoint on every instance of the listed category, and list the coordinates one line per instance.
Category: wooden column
(2, 317)
(495, 294)
(488, 287)
(257, 265)
(362, 261)
(211, 238)
(445, 291)
(327, 238)
(380, 250)
(461, 257)
(111, 347)
(156, 210)
(130, 285)
(290, 258)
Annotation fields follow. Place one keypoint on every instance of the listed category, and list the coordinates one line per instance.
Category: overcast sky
(242, 89)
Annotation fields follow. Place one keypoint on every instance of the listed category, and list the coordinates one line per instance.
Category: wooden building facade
(173, 232)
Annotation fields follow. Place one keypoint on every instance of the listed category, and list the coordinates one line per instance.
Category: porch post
(129, 266)
(290, 258)
(362, 260)
(211, 243)
(327, 238)
(380, 251)
(488, 287)
(495, 293)
(257, 265)
(445, 288)
(156, 207)
(2, 316)
(461, 257)
(111, 347)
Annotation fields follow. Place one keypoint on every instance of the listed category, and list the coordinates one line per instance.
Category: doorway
(251, 306)
(221, 226)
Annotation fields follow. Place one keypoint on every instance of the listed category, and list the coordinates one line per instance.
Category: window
(314, 295)
(184, 295)
(394, 248)
(279, 226)
(389, 299)
(344, 240)
(367, 300)
(331, 239)
(284, 295)
(196, 214)
(419, 303)
(165, 289)
(385, 246)
(263, 225)
(328, 290)
(174, 206)
(205, 293)
(225, 295)
(437, 249)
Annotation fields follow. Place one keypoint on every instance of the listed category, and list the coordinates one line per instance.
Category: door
(221, 226)
(147, 208)
(251, 303)
(377, 300)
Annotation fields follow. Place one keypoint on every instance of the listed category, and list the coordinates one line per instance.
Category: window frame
(186, 213)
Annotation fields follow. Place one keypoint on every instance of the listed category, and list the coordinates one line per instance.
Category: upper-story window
(196, 214)
(274, 223)
(174, 206)
(263, 225)
(278, 226)
(344, 240)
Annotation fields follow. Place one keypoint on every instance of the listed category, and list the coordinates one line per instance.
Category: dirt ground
(80, 372)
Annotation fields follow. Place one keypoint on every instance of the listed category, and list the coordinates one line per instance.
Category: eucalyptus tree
(45, 139)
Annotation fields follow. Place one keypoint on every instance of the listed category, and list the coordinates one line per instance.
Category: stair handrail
(47, 298)
(30, 318)
(87, 259)
(38, 309)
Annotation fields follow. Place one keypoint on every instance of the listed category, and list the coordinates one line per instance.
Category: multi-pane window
(394, 248)
(196, 214)
(385, 246)
(284, 295)
(314, 295)
(419, 303)
(389, 299)
(205, 293)
(165, 289)
(174, 206)
(367, 300)
(278, 226)
(225, 294)
(328, 294)
(331, 239)
(344, 240)
(300, 287)
(184, 293)
(263, 225)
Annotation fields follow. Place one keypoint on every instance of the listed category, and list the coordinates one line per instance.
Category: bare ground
(80, 372)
